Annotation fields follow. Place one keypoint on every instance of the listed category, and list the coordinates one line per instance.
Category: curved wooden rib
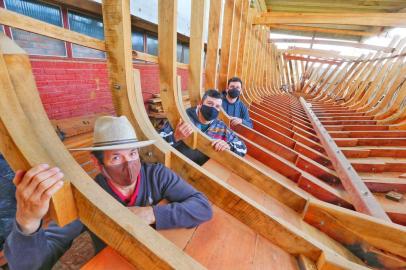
(294, 139)
(171, 105)
(252, 90)
(28, 138)
(326, 106)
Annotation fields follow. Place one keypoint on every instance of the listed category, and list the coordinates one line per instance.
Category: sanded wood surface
(89, 200)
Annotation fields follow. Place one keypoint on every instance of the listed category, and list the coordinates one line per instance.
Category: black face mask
(233, 92)
(209, 113)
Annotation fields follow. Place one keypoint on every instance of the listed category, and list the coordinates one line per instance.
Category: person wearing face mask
(232, 104)
(136, 185)
(204, 117)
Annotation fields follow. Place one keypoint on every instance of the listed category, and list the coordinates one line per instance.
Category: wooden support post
(245, 27)
(226, 42)
(196, 50)
(30, 139)
(117, 28)
(117, 32)
(247, 48)
(212, 55)
(235, 39)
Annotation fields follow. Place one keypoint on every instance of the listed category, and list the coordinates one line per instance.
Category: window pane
(34, 43)
(186, 54)
(84, 52)
(137, 41)
(152, 45)
(179, 52)
(38, 44)
(86, 25)
(37, 10)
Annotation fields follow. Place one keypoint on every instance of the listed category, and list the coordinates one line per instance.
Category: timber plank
(382, 234)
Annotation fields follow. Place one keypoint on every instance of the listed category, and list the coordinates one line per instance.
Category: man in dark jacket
(232, 104)
(204, 117)
(138, 186)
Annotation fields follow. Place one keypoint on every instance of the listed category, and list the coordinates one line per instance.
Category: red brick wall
(70, 88)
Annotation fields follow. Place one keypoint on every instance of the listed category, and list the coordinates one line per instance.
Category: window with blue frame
(152, 44)
(137, 38)
(86, 25)
(34, 43)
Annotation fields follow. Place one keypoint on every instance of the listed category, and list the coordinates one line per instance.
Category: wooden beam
(26, 23)
(245, 65)
(367, 235)
(362, 199)
(344, 6)
(175, 111)
(321, 9)
(333, 42)
(31, 139)
(117, 32)
(322, 30)
(318, 53)
(29, 24)
(218, 192)
(22, 155)
(235, 39)
(137, 55)
(226, 42)
(96, 9)
(212, 54)
(197, 27)
(306, 59)
(245, 27)
(368, 19)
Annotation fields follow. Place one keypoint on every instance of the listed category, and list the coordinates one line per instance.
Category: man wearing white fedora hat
(136, 185)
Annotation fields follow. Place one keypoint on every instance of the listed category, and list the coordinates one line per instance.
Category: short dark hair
(211, 93)
(99, 155)
(234, 79)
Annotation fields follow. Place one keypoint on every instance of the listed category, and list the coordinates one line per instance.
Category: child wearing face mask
(204, 117)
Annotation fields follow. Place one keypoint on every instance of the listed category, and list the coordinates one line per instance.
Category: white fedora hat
(114, 133)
